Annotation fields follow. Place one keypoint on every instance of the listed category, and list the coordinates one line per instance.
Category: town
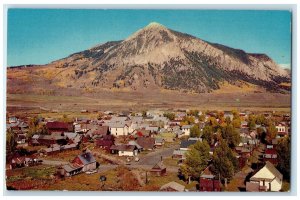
(184, 150)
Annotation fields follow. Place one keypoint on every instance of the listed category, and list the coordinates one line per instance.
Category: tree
(284, 155)
(271, 133)
(231, 135)
(188, 120)
(252, 124)
(202, 118)
(196, 160)
(236, 123)
(224, 161)
(207, 133)
(170, 116)
(194, 113)
(195, 131)
(10, 141)
(213, 122)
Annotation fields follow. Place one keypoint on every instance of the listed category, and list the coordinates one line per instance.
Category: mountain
(153, 58)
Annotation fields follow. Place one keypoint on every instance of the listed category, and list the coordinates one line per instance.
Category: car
(91, 171)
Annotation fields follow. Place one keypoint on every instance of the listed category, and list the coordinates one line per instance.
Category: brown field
(137, 101)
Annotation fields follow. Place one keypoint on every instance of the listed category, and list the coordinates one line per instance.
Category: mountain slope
(154, 57)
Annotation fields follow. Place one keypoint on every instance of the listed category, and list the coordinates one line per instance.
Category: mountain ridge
(154, 57)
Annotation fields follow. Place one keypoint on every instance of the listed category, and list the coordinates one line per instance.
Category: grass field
(54, 106)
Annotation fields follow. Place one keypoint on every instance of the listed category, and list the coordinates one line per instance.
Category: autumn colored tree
(271, 133)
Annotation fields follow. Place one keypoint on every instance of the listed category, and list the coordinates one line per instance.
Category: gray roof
(69, 167)
(187, 143)
(173, 185)
(186, 126)
(87, 158)
(134, 143)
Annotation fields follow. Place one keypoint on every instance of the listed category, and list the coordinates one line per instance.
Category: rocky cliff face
(156, 57)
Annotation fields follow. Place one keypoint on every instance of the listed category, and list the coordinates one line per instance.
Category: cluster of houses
(128, 134)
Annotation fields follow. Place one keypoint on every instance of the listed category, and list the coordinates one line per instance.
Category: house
(152, 129)
(12, 119)
(270, 154)
(180, 154)
(104, 144)
(48, 140)
(146, 143)
(85, 160)
(186, 129)
(159, 142)
(185, 144)
(228, 114)
(119, 129)
(101, 131)
(172, 187)
(21, 139)
(69, 170)
(208, 182)
(72, 138)
(124, 150)
(268, 178)
(158, 169)
(23, 161)
(134, 143)
(59, 127)
(281, 129)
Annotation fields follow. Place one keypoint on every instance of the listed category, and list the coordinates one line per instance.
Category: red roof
(270, 151)
(57, 125)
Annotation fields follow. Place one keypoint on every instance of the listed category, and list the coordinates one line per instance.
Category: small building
(104, 144)
(172, 187)
(185, 144)
(159, 142)
(119, 129)
(85, 160)
(268, 178)
(186, 129)
(59, 127)
(208, 182)
(146, 143)
(158, 170)
(124, 150)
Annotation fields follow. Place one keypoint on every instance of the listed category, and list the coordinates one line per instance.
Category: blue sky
(39, 36)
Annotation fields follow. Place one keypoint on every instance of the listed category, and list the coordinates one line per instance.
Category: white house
(186, 129)
(281, 129)
(268, 178)
(118, 129)
(124, 150)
